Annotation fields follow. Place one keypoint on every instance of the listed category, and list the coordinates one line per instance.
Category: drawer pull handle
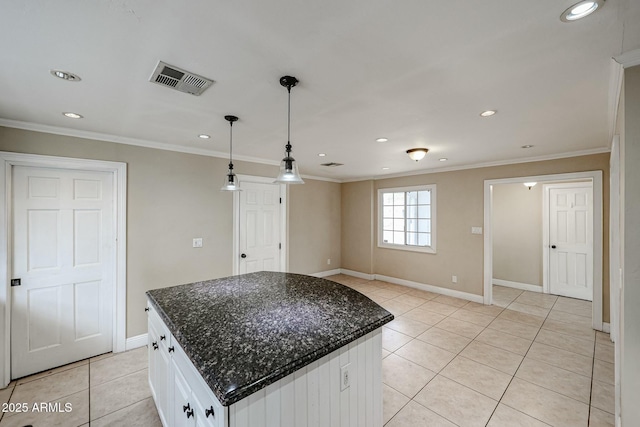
(186, 407)
(171, 349)
(155, 345)
(190, 413)
(146, 309)
(162, 337)
(209, 411)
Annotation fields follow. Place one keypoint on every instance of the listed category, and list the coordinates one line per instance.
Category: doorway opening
(85, 187)
(594, 266)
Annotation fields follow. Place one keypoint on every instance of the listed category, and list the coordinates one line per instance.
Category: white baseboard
(517, 285)
(358, 274)
(326, 273)
(416, 285)
(606, 327)
(135, 342)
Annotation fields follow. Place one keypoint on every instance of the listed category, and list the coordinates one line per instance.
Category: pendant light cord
(289, 122)
(230, 144)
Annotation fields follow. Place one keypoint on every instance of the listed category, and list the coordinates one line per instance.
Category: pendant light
(230, 181)
(288, 167)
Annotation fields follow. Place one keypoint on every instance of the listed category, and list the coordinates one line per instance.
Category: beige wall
(357, 223)
(314, 226)
(517, 233)
(630, 315)
(174, 197)
(459, 207)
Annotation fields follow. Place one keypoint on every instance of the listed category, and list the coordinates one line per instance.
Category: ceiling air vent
(179, 79)
(332, 164)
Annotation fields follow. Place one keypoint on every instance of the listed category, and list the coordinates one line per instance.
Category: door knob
(243, 256)
(553, 246)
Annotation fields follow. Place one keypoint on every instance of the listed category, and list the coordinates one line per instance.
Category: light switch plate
(197, 242)
(476, 230)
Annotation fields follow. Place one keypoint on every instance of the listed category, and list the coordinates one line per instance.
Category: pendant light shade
(230, 180)
(288, 167)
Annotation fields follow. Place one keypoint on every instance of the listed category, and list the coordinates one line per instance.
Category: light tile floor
(108, 390)
(529, 360)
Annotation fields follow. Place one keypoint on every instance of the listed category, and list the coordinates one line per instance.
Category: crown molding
(629, 59)
(321, 178)
(487, 164)
(76, 133)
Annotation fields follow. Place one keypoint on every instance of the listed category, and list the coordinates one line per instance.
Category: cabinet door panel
(182, 404)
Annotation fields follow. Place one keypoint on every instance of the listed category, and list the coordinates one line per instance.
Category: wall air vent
(332, 164)
(179, 79)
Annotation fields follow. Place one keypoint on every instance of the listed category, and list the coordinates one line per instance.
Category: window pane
(398, 224)
(387, 199)
(424, 239)
(387, 237)
(398, 211)
(412, 198)
(412, 225)
(387, 224)
(424, 225)
(412, 239)
(387, 212)
(398, 237)
(424, 211)
(424, 197)
(398, 199)
(412, 211)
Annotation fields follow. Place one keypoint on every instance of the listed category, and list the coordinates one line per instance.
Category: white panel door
(259, 227)
(571, 241)
(63, 236)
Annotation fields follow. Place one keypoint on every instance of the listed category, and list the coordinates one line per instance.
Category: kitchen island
(265, 349)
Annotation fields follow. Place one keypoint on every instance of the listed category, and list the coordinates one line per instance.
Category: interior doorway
(260, 226)
(85, 187)
(594, 179)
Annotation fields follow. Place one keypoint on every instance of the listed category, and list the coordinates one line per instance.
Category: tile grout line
(89, 392)
(519, 365)
(593, 363)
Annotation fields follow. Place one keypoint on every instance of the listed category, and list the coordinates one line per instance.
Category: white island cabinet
(181, 395)
(265, 350)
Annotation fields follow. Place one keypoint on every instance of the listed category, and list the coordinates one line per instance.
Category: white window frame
(426, 249)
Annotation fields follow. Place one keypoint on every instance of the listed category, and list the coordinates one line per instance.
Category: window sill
(422, 249)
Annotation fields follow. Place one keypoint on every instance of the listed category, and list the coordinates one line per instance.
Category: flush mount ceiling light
(65, 75)
(580, 10)
(530, 185)
(382, 139)
(417, 153)
(230, 181)
(527, 146)
(488, 113)
(72, 115)
(204, 136)
(288, 167)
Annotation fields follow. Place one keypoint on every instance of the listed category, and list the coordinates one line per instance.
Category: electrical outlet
(454, 279)
(197, 242)
(345, 377)
(328, 261)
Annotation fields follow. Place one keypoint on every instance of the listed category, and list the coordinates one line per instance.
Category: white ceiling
(418, 72)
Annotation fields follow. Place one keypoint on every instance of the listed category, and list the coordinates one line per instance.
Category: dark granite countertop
(245, 332)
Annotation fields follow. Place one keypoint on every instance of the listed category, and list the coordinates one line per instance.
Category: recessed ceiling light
(527, 146)
(204, 136)
(443, 159)
(321, 154)
(65, 75)
(72, 115)
(580, 10)
(488, 113)
(382, 139)
(385, 169)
